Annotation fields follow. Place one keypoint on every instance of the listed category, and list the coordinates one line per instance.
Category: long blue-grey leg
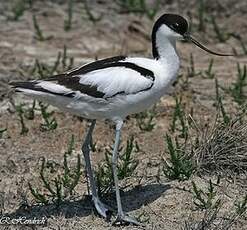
(86, 146)
(122, 218)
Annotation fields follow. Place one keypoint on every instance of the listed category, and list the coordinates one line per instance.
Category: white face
(166, 31)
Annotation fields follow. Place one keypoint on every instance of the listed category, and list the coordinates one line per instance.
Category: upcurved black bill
(188, 37)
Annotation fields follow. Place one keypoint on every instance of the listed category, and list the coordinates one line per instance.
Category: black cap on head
(175, 22)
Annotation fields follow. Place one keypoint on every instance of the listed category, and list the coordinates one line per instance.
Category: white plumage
(52, 87)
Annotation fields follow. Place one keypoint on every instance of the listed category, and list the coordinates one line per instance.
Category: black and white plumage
(115, 87)
(99, 90)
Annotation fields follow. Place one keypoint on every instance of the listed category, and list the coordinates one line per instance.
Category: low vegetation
(223, 148)
(205, 199)
(58, 182)
(18, 9)
(68, 21)
(213, 219)
(50, 122)
(236, 90)
(180, 165)
(145, 120)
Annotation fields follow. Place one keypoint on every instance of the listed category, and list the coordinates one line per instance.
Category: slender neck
(163, 46)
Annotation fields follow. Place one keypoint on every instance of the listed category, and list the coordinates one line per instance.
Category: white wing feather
(114, 80)
(54, 87)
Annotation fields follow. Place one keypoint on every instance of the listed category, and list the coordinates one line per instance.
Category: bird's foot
(124, 219)
(102, 209)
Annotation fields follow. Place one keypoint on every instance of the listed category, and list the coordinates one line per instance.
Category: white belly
(118, 107)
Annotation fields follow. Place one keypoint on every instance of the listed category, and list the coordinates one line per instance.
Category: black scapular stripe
(99, 64)
(111, 62)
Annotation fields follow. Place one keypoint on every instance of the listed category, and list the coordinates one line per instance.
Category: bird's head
(176, 27)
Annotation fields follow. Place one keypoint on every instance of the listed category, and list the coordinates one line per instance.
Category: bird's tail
(40, 88)
(29, 88)
(21, 86)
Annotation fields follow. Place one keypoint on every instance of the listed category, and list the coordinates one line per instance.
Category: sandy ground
(163, 203)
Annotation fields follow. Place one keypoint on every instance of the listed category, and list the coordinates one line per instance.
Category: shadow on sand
(131, 200)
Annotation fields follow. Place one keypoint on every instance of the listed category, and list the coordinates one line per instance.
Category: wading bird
(114, 88)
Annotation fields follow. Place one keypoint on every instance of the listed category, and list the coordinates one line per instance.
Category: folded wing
(101, 79)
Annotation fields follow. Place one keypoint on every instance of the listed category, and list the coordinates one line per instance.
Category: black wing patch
(74, 84)
(96, 65)
(71, 79)
(32, 85)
